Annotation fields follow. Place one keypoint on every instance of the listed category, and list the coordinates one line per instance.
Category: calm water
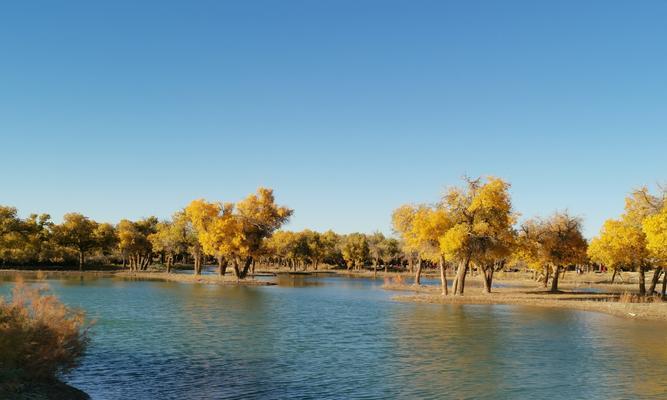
(332, 337)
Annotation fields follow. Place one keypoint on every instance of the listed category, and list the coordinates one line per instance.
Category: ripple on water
(336, 338)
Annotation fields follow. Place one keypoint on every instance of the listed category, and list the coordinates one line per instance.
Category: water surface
(335, 337)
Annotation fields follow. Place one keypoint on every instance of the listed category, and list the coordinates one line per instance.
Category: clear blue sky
(346, 108)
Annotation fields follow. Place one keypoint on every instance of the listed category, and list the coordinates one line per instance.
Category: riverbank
(618, 304)
(228, 279)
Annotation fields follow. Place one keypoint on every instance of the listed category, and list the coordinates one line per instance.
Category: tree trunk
(546, 277)
(418, 274)
(462, 286)
(654, 281)
(613, 276)
(554, 280)
(455, 284)
(664, 284)
(197, 264)
(458, 280)
(461, 277)
(81, 260)
(488, 278)
(222, 266)
(642, 281)
(443, 276)
(242, 273)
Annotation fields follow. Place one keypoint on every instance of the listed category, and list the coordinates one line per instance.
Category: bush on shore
(40, 338)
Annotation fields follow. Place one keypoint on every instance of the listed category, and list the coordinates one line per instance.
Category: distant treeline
(231, 235)
(472, 227)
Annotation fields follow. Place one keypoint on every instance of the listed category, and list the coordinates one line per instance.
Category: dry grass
(40, 338)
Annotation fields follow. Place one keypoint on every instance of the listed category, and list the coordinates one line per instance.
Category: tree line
(234, 235)
(474, 226)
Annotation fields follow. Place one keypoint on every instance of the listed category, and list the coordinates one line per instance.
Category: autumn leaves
(235, 233)
(473, 226)
(637, 240)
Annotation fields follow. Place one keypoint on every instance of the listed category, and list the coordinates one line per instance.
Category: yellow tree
(173, 238)
(493, 236)
(401, 221)
(236, 233)
(482, 228)
(257, 217)
(655, 228)
(420, 228)
(383, 250)
(330, 242)
(430, 225)
(202, 216)
(282, 246)
(10, 238)
(639, 206)
(215, 229)
(620, 244)
(355, 250)
(391, 251)
(78, 232)
(134, 243)
(376, 249)
(527, 248)
(561, 244)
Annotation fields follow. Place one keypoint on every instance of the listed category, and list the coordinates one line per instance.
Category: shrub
(40, 338)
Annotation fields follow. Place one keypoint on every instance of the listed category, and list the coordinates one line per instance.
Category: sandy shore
(228, 279)
(617, 304)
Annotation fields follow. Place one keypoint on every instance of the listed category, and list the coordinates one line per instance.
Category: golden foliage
(237, 231)
(655, 228)
(619, 244)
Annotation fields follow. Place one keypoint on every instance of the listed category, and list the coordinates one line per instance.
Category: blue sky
(346, 108)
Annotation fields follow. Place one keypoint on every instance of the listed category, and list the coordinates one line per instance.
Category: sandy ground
(228, 279)
(616, 299)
